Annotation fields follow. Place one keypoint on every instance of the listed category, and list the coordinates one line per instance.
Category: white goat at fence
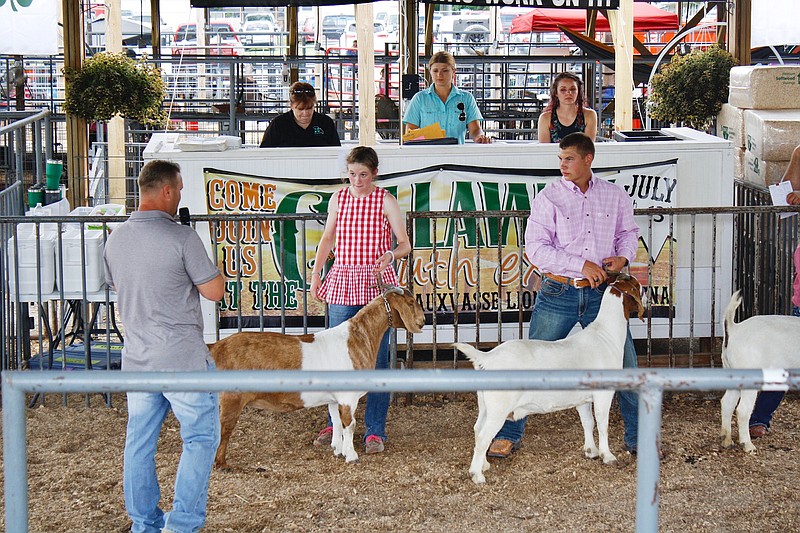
(352, 345)
(601, 345)
(767, 341)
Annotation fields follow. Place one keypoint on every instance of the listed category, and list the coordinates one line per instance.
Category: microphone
(183, 213)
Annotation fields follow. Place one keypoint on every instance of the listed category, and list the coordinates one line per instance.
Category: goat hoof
(477, 478)
(222, 467)
(749, 448)
(611, 461)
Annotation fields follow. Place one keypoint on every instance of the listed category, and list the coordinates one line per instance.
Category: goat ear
(641, 308)
(636, 305)
(403, 308)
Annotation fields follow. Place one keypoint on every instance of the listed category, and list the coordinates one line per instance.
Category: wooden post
(291, 25)
(366, 74)
(155, 18)
(77, 147)
(740, 32)
(621, 22)
(116, 126)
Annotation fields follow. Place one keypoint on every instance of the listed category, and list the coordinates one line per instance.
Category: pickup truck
(222, 40)
(333, 26)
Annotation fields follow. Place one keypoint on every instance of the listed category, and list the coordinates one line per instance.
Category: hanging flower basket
(110, 84)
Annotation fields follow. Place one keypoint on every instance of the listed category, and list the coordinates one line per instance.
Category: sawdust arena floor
(280, 482)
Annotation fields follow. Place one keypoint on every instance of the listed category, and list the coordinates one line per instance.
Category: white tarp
(775, 22)
(29, 27)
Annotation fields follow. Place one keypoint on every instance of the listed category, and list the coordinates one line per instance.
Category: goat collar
(388, 309)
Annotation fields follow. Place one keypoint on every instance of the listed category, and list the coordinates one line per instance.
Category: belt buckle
(574, 282)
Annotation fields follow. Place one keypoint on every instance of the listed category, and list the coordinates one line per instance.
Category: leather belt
(578, 283)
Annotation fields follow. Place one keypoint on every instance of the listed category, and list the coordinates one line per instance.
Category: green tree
(110, 84)
(691, 89)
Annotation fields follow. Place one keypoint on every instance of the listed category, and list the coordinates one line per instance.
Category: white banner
(29, 27)
(459, 256)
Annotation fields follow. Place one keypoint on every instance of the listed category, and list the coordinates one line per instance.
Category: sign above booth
(565, 4)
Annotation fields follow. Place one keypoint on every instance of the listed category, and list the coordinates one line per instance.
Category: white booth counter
(694, 170)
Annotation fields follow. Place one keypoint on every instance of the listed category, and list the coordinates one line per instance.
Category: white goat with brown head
(352, 345)
(601, 345)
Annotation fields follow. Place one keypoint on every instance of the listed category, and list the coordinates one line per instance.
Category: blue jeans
(768, 401)
(377, 402)
(198, 414)
(558, 308)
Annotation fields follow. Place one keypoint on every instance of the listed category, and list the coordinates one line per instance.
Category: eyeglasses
(302, 91)
(463, 116)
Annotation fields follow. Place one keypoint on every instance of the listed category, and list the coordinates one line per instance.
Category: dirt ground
(420, 483)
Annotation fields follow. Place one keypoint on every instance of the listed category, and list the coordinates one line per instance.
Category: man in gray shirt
(159, 270)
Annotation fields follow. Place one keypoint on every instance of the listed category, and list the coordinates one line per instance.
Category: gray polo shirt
(155, 264)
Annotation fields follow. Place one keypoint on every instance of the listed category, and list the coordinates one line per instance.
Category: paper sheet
(433, 131)
(778, 193)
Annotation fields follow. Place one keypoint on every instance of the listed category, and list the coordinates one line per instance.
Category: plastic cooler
(73, 260)
(35, 261)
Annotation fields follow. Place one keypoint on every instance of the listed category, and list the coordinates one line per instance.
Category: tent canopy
(645, 18)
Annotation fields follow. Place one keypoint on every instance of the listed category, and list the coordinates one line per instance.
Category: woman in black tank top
(565, 112)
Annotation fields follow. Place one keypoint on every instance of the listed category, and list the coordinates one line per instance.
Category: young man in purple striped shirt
(580, 227)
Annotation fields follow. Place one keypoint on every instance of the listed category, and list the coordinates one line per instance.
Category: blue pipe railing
(650, 385)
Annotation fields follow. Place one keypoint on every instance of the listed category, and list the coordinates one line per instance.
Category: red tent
(646, 17)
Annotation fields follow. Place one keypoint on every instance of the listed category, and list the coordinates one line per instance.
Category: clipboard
(778, 193)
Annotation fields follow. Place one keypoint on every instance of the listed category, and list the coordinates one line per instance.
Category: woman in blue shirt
(455, 110)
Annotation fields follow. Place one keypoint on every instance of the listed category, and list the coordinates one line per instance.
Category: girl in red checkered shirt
(361, 220)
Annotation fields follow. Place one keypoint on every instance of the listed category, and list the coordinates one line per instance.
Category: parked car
(333, 26)
(259, 28)
(380, 36)
(308, 30)
(222, 40)
(261, 16)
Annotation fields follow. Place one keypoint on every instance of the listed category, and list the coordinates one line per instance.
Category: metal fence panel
(52, 294)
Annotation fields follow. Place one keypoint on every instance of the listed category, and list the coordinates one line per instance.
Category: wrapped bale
(773, 87)
(772, 135)
(730, 125)
(763, 172)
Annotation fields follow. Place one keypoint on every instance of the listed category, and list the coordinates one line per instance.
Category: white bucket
(73, 261)
(36, 262)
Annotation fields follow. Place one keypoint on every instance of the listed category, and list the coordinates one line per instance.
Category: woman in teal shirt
(455, 110)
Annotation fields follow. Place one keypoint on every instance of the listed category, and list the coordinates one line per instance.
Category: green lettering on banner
(463, 200)
(230, 301)
(284, 234)
(392, 189)
(421, 202)
(516, 199)
(271, 293)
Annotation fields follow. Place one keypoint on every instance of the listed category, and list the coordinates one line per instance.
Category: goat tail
(473, 354)
(730, 316)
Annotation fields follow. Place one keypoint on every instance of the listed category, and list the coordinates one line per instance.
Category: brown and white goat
(601, 345)
(766, 341)
(352, 345)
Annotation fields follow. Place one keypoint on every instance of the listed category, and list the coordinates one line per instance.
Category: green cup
(35, 196)
(53, 172)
